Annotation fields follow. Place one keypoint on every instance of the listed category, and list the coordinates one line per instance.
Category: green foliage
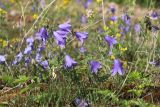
(137, 92)
(109, 95)
(136, 102)
(7, 79)
(21, 79)
(134, 76)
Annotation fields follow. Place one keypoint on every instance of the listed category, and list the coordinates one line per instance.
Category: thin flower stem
(86, 27)
(22, 21)
(36, 21)
(103, 13)
(9, 68)
(152, 53)
(129, 70)
(23, 10)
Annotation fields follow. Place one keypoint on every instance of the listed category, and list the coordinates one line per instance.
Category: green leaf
(137, 92)
(21, 79)
(104, 92)
(7, 79)
(109, 94)
(135, 75)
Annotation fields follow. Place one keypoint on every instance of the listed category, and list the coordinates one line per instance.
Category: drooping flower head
(28, 50)
(155, 28)
(43, 34)
(45, 64)
(117, 68)
(30, 41)
(2, 58)
(81, 103)
(69, 62)
(41, 48)
(114, 18)
(65, 27)
(154, 15)
(155, 63)
(81, 36)
(60, 39)
(38, 57)
(27, 61)
(137, 28)
(113, 9)
(62, 33)
(111, 41)
(86, 5)
(18, 58)
(127, 19)
(127, 29)
(83, 49)
(124, 29)
(95, 66)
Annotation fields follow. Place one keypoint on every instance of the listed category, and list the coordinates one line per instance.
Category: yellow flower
(111, 22)
(99, 1)
(1, 40)
(66, 2)
(125, 64)
(123, 49)
(140, 18)
(2, 11)
(35, 16)
(14, 40)
(12, 1)
(4, 43)
(105, 28)
(113, 57)
(118, 35)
